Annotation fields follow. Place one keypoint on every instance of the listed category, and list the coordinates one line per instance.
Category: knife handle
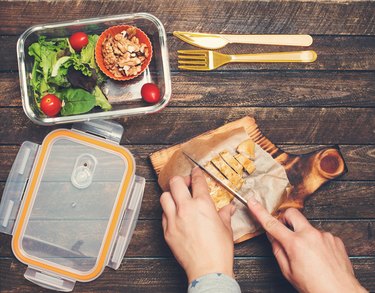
(296, 56)
(283, 40)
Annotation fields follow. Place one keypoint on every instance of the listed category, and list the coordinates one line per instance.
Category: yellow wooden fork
(210, 60)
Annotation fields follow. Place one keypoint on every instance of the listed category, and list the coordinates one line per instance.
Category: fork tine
(192, 52)
(195, 57)
(192, 62)
(200, 67)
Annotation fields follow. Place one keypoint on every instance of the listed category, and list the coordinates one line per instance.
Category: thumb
(226, 214)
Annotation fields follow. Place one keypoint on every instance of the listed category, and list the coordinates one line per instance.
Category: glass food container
(72, 204)
(125, 96)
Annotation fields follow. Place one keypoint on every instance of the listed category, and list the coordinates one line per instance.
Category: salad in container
(103, 67)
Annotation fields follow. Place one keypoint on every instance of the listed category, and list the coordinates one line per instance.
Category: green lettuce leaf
(52, 59)
(101, 100)
(34, 51)
(88, 52)
(79, 65)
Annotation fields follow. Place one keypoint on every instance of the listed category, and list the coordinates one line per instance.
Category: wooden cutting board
(306, 173)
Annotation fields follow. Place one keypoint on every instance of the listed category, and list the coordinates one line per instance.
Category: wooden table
(300, 107)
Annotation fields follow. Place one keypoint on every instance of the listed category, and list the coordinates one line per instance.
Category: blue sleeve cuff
(213, 283)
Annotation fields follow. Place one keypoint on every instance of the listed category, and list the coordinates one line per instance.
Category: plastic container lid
(78, 191)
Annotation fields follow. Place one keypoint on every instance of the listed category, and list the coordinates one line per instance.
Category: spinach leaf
(76, 101)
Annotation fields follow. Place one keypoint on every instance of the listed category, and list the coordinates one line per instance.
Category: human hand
(199, 236)
(311, 260)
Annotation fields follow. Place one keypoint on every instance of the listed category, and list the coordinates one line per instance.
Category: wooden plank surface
(253, 275)
(276, 89)
(355, 53)
(360, 159)
(300, 107)
(148, 240)
(332, 201)
(323, 17)
(280, 125)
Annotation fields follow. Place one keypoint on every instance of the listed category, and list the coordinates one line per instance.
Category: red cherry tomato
(150, 93)
(50, 105)
(78, 40)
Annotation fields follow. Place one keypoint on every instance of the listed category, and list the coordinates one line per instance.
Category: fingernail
(195, 169)
(253, 201)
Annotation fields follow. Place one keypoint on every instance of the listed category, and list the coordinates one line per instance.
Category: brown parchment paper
(268, 184)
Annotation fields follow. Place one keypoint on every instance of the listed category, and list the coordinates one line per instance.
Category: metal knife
(217, 41)
(230, 190)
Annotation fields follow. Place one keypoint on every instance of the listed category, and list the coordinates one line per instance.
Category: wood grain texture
(300, 107)
(298, 89)
(164, 275)
(325, 17)
(174, 125)
(249, 89)
(358, 238)
(334, 53)
(332, 201)
(360, 159)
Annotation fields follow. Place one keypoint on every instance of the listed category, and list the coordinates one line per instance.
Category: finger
(344, 254)
(198, 184)
(340, 255)
(280, 255)
(179, 190)
(330, 242)
(295, 219)
(226, 214)
(164, 222)
(276, 229)
(338, 250)
(187, 180)
(167, 204)
(270, 238)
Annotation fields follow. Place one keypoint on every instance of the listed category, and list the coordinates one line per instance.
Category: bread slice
(232, 162)
(247, 148)
(246, 163)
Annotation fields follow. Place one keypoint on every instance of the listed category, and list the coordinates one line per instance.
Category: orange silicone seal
(30, 195)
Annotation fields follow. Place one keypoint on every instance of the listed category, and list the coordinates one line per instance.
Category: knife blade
(230, 190)
(217, 41)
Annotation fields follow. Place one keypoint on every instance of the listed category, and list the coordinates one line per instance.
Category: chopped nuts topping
(123, 54)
